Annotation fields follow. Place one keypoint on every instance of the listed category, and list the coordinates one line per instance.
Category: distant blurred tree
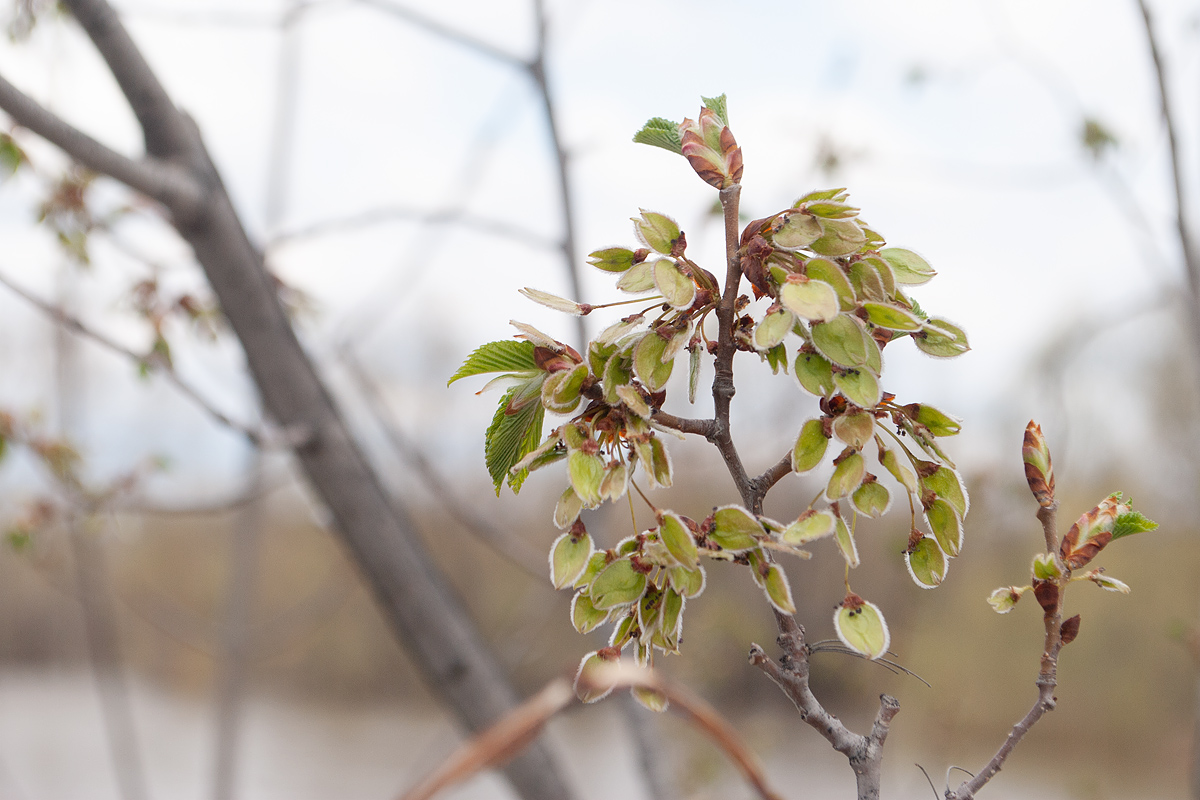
(178, 174)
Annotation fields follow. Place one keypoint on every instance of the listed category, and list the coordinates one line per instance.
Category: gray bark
(380, 535)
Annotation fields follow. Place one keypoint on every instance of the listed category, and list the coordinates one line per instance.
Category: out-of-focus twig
(74, 325)
(499, 539)
(235, 643)
(1047, 679)
(507, 737)
(108, 667)
(535, 68)
(384, 215)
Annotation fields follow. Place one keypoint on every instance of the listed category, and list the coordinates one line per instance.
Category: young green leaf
(676, 288)
(860, 386)
(735, 529)
(811, 299)
(510, 437)
(814, 373)
(659, 132)
(848, 474)
(1132, 522)
(569, 556)
(508, 355)
(677, 538)
(946, 526)
(810, 526)
(926, 563)
(842, 340)
(861, 627)
(585, 617)
(941, 339)
(845, 540)
(908, 267)
(618, 584)
(810, 446)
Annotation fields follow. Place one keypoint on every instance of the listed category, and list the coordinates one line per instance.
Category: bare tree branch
(379, 532)
(503, 543)
(536, 69)
(381, 216)
(163, 181)
(76, 326)
(446, 32)
(167, 132)
(108, 667)
(1047, 679)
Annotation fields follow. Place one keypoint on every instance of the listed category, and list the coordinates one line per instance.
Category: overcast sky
(957, 127)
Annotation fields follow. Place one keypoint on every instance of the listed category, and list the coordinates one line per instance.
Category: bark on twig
(1047, 679)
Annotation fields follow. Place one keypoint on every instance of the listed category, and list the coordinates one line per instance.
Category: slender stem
(700, 427)
(723, 388)
(763, 483)
(1047, 679)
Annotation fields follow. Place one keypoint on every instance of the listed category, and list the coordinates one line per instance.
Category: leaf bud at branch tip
(1038, 470)
(710, 148)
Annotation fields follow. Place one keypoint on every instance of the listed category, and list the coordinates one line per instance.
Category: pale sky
(958, 126)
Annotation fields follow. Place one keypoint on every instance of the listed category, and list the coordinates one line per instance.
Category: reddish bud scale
(709, 146)
(1091, 533)
(1039, 471)
(1069, 630)
(852, 602)
(1047, 594)
(914, 539)
(679, 245)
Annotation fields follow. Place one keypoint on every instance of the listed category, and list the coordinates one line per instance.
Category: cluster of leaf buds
(1114, 518)
(841, 293)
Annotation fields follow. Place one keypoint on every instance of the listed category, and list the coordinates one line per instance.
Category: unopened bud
(1038, 470)
(710, 148)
